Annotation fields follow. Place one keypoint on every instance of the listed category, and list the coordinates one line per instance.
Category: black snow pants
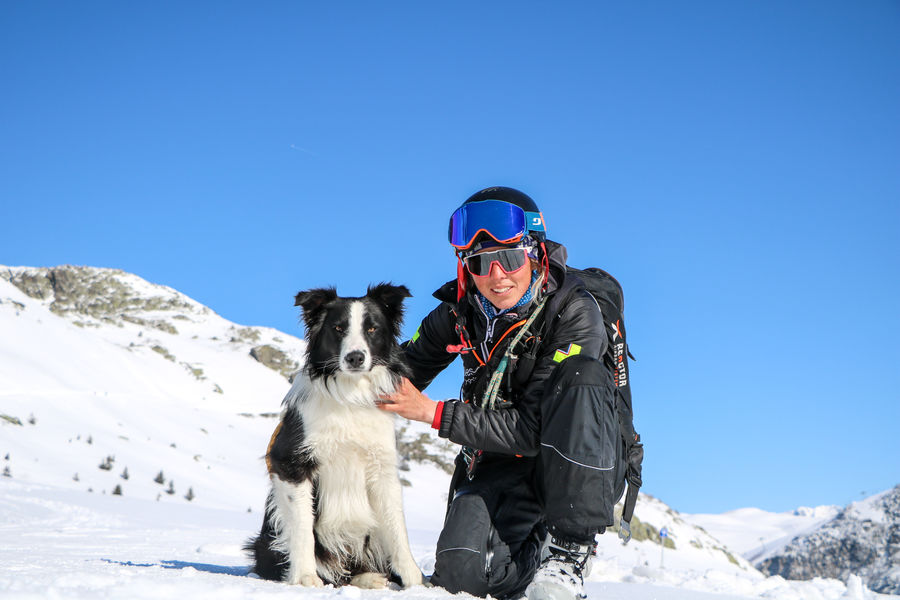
(496, 522)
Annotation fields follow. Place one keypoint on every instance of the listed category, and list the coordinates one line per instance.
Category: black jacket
(571, 323)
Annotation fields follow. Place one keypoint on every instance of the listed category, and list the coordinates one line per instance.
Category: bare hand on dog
(409, 402)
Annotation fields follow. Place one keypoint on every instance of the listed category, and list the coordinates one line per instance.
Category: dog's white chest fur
(355, 451)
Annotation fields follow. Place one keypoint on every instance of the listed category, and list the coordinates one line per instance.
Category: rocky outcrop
(275, 359)
(864, 539)
(100, 294)
(99, 297)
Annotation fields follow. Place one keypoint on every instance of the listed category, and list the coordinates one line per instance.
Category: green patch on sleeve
(415, 335)
(562, 355)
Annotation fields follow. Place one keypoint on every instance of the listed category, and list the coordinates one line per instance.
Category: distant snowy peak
(757, 534)
(864, 538)
(879, 508)
(93, 297)
(657, 524)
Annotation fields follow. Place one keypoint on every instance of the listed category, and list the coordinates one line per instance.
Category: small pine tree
(7, 472)
(117, 491)
(124, 474)
(90, 439)
(31, 419)
(171, 489)
(6, 457)
(76, 478)
(160, 478)
(107, 464)
(190, 495)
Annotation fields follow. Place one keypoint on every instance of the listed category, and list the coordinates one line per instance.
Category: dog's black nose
(355, 359)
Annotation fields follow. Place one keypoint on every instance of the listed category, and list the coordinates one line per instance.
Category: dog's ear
(390, 297)
(313, 302)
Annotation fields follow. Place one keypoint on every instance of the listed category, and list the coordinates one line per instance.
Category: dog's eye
(371, 329)
(338, 328)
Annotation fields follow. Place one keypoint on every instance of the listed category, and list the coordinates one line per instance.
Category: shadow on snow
(179, 564)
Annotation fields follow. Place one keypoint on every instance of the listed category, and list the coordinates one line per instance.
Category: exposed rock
(154, 323)
(275, 359)
(34, 284)
(11, 419)
(245, 334)
(165, 353)
(98, 293)
(864, 540)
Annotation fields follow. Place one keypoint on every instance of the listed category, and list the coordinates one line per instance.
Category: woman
(536, 416)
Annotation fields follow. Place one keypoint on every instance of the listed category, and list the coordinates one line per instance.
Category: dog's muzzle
(355, 361)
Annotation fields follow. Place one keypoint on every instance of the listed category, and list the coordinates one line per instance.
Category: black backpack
(608, 293)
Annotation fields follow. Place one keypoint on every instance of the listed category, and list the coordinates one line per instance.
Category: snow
(76, 395)
(757, 534)
(869, 509)
(60, 543)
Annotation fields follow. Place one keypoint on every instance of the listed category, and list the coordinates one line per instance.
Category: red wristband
(436, 423)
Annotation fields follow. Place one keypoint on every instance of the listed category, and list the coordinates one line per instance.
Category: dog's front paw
(370, 581)
(410, 575)
(311, 581)
(305, 579)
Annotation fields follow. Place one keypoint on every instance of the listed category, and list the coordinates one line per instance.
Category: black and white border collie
(334, 513)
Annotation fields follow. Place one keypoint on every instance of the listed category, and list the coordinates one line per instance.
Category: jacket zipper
(489, 331)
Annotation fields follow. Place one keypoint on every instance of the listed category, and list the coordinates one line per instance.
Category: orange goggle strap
(545, 264)
(460, 278)
(511, 240)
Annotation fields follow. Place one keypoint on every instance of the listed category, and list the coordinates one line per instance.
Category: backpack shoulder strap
(493, 388)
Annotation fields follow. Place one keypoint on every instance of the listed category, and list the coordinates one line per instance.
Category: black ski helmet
(512, 196)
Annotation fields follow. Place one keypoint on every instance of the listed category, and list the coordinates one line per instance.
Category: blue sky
(735, 164)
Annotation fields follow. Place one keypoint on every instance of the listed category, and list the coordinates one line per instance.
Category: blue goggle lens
(505, 222)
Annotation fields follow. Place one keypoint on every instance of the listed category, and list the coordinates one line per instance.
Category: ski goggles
(505, 222)
(509, 259)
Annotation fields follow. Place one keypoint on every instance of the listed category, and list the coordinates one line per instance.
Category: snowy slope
(149, 398)
(99, 367)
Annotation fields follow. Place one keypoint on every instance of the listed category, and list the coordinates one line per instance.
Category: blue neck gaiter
(491, 311)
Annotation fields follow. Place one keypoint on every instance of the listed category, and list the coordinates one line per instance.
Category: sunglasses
(504, 222)
(509, 259)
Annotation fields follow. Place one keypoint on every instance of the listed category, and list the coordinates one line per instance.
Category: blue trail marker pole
(663, 534)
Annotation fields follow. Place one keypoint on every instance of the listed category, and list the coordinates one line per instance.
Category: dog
(334, 513)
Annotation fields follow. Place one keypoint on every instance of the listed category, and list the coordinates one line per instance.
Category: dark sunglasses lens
(510, 260)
